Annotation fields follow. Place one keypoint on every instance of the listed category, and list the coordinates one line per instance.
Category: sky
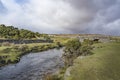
(63, 16)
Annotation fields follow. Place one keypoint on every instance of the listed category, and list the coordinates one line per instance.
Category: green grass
(104, 64)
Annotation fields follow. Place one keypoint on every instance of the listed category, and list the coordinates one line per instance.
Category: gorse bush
(71, 51)
(75, 48)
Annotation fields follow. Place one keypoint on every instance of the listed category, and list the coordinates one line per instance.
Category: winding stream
(33, 66)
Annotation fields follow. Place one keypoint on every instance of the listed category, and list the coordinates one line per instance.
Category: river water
(33, 66)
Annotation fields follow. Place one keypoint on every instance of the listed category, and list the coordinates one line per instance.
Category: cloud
(63, 16)
(44, 14)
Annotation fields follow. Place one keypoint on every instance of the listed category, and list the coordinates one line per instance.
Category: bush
(71, 51)
(74, 48)
(85, 50)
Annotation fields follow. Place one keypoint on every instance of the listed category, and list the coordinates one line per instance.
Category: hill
(11, 32)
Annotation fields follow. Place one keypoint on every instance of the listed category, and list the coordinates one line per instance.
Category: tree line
(11, 32)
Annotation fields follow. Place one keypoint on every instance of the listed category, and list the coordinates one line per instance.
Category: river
(33, 66)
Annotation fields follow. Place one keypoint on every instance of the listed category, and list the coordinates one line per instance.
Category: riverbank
(102, 65)
(33, 66)
(12, 54)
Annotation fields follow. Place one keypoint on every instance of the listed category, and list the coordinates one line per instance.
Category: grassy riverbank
(102, 65)
(11, 53)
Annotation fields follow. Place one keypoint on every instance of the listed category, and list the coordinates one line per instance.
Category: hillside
(102, 65)
(11, 32)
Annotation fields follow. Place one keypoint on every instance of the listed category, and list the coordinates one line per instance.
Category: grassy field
(104, 64)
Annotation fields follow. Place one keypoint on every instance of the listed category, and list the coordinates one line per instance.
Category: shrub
(71, 51)
(85, 50)
(74, 48)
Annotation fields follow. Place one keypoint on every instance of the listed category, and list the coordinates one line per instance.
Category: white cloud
(42, 14)
(63, 16)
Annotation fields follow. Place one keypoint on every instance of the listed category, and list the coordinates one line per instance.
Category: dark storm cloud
(103, 14)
